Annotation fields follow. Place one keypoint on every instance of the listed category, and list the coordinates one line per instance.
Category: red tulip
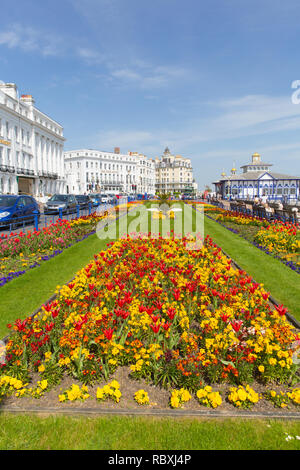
(155, 327)
(108, 333)
(176, 294)
(171, 313)
(281, 310)
(236, 325)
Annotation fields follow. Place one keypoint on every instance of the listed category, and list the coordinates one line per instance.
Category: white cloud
(91, 56)
(244, 117)
(29, 39)
(148, 76)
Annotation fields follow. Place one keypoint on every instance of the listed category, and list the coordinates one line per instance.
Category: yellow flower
(43, 384)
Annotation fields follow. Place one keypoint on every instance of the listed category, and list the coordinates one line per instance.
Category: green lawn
(121, 433)
(23, 295)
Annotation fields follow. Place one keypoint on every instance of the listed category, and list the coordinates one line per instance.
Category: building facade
(257, 179)
(145, 173)
(174, 174)
(92, 171)
(31, 147)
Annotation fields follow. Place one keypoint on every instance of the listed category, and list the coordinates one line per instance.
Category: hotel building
(31, 147)
(174, 174)
(92, 171)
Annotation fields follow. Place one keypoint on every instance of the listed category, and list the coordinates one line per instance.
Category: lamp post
(128, 181)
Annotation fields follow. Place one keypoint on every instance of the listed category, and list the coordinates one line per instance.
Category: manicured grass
(281, 281)
(20, 297)
(122, 433)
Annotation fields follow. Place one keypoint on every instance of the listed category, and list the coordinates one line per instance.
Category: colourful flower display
(26, 250)
(279, 238)
(142, 397)
(179, 397)
(175, 317)
(283, 399)
(109, 391)
(275, 238)
(75, 393)
(243, 397)
(207, 397)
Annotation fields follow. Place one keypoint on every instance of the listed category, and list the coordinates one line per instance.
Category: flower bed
(26, 250)
(173, 318)
(241, 219)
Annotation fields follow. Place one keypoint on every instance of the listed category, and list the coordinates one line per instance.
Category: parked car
(17, 209)
(83, 201)
(95, 199)
(111, 198)
(121, 196)
(66, 202)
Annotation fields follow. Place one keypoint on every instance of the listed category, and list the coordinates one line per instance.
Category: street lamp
(128, 181)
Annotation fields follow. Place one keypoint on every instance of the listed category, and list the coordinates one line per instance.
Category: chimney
(117, 150)
(27, 99)
(9, 89)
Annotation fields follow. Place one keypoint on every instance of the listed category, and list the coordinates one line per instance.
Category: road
(49, 219)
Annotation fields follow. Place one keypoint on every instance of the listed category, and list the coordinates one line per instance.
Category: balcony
(7, 168)
(25, 171)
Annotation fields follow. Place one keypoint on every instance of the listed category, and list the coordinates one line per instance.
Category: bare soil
(159, 398)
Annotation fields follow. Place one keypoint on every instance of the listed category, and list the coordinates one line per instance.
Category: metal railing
(38, 220)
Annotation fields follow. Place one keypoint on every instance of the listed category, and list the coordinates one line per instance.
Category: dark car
(17, 209)
(66, 202)
(83, 201)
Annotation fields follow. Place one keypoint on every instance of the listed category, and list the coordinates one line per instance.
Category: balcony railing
(48, 174)
(25, 171)
(7, 168)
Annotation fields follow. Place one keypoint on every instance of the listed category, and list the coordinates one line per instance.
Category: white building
(90, 171)
(31, 147)
(258, 180)
(174, 174)
(145, 173)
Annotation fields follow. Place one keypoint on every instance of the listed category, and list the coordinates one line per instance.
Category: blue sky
(211, 80)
